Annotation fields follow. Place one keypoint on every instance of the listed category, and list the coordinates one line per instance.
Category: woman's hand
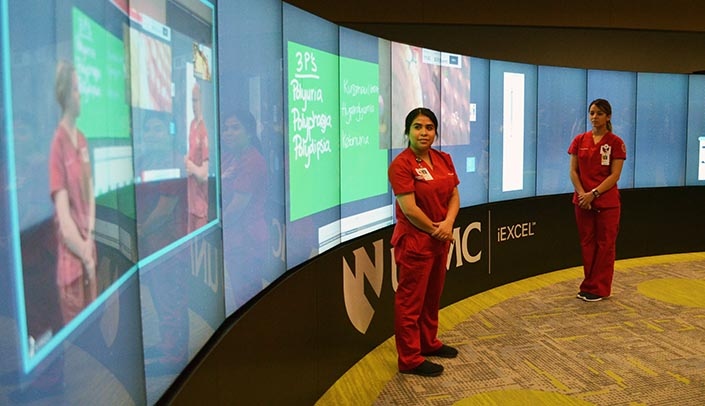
(88, 259)
(443, 231)
(585, 200)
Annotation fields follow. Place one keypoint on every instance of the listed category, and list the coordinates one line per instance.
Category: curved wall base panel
(305, 332)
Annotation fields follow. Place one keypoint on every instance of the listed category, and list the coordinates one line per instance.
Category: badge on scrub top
(605, 152)
(424, 173)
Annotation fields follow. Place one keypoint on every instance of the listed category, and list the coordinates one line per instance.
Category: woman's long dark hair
(247, 120)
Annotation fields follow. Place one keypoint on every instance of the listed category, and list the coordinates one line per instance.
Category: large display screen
(662, 112)
(562, 104)
(513, 109)
(695, 142)
(252, 148)
(620, 89)
(161, 171)
(471, 157)
(365, 133)
(114, 235)
(312, 135)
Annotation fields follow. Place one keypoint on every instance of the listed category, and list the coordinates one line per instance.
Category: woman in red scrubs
(596, 160)
(71, 185)
(425, 185)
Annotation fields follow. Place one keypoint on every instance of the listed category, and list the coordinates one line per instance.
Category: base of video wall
(340, 316)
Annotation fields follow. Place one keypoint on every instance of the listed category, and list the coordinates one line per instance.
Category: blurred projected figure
(71, 187)
(161, 212)
(196, 162)
(244, 180)
(154, 158)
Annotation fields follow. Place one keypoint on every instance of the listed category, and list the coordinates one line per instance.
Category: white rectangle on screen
(701, 159)
(513, 132)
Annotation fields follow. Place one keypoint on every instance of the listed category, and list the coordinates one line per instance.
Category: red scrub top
(70, 169)
(198, 153)
(432, 189)
(594, 163)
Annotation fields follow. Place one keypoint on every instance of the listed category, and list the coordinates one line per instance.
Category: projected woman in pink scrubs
(71, 186)
(197, 165)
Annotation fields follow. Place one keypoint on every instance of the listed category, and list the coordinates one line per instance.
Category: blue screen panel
(471, 158)
(661, 120)
(695, 142)
(561, 116)
(619, 88)
(252, 148)
(512, 130)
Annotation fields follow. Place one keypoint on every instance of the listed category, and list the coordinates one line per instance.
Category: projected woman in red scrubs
(244, 180)
(427, 201)
(71, 186)
(596, 160)
(196, 163)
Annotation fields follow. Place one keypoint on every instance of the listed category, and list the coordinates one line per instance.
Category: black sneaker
(446, 351)
(427, 368)
(589, 297)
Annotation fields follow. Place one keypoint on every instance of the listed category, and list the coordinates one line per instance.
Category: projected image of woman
(427, 201)
(596, 160)
(196, 162)
(244, 179)
(71, 186)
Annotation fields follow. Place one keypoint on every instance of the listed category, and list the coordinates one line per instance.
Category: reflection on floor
(533, 342)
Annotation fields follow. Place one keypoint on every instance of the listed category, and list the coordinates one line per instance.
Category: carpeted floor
(533, 343)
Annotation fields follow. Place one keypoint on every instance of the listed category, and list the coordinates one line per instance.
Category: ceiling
(634, 35)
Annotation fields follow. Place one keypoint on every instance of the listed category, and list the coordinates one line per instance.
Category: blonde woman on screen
(71, 186)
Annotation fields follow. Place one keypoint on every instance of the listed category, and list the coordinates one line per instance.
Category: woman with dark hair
(425, 183)
(244, 180)
(596, 160)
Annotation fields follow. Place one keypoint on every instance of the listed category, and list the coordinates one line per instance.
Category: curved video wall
(167, 162)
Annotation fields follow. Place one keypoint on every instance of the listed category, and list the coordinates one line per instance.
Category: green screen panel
(100, 65)
(314, 138)
(363, 163)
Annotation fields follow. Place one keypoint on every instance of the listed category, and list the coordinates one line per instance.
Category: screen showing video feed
(252, 148)
(174, 110)
(99, 169)
(512, 130)
(695, 141)
(72, 231)
(661, 121)
(177, 188)
(72, 167)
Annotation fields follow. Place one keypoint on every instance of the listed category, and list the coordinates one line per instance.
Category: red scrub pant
(598, 237)
(195, 222)
(416, 304)
(76, 296)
